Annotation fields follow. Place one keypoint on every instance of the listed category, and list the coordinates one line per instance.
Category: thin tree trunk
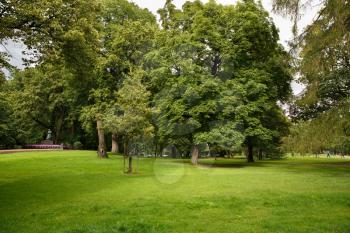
(155, 149)
(260, 154)
(101, 140)
(195, 155)
(250, 157)
(216, 65)
(126, 154)
(115, 148)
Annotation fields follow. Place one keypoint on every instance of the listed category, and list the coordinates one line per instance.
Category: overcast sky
(283, 24)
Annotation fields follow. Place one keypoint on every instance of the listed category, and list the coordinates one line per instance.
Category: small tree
(131, 115)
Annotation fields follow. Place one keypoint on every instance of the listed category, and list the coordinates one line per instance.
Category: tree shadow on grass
(42, 191)
(223, 163)
(331, 167)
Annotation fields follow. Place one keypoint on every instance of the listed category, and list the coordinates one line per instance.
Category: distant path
(25, 150)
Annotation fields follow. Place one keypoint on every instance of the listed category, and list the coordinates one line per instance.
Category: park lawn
(74, 192)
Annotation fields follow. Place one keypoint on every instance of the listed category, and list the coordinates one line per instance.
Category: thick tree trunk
(115, 148)
(101, 140)
(195, 155)
(173, 151)
(250, 156)
(130, 164)
(58, 128)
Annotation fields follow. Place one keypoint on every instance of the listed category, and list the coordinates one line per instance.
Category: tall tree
(210, 50)
(66, 39)
(42, 95)
(123, 41)
(323, 55)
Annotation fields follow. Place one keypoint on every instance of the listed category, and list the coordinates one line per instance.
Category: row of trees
(210, 74)
(321, 113)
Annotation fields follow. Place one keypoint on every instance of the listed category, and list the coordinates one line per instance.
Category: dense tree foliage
(217, 74)
(328, 133)
(209, 75)
(323, 62)
(131, 114)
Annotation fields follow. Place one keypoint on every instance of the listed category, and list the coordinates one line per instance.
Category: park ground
(74, 192)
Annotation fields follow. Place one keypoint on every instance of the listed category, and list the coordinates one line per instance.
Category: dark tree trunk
(260, 156)
(155, 149)
(115, 147)
(53, 135)
(173, 151)
(216, 65)
(130, 164)
(101, 140)
(250, 156)
(57, 138)
(58, 126)
(126, 154)
(195, 155)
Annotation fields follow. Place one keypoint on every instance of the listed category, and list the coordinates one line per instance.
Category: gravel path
(25, 150)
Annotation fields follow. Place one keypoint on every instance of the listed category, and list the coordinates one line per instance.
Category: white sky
(283, 24)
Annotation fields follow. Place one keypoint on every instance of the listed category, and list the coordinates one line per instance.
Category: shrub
(77, 145)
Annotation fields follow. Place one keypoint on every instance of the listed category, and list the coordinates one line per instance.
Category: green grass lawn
(74, 192)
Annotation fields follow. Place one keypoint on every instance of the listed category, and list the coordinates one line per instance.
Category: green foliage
(217, 74)
(328, 132)
(77, 145)
(324, 55)
(213, 73)
(7, 136)
(125, 39)
(42, 95)
(131, 115)
(324, 68)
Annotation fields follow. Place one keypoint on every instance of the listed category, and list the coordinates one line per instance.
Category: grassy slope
(75, 192)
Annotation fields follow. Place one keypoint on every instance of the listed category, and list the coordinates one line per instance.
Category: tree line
(321, 113)
(209, 74)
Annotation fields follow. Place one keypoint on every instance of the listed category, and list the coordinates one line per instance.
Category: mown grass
(74, 192)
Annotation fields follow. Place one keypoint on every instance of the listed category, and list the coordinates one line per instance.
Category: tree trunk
(101, 140)
(155, 149)
(216, 65)
(115, 148)
(130, 164)
(173, 151)
(195, 155)
(58, 128)
(260, 154)
(250, 156)
(126, 154)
